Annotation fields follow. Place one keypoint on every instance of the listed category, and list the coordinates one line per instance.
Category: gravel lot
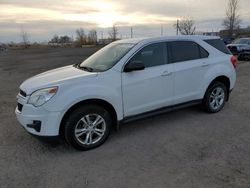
(185, 148)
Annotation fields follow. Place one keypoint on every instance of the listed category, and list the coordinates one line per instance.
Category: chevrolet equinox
(125, 81)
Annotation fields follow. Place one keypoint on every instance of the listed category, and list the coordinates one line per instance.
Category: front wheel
(215, 97)
(88, 127)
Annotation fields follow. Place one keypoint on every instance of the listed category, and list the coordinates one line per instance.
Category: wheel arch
(99, 102)
(223, 79)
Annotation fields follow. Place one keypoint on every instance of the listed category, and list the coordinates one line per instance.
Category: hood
(237, 45)
(53, 77)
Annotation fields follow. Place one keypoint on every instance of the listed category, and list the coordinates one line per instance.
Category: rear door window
(203, 52)
(186, 51)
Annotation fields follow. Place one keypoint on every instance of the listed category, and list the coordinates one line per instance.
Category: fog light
(35, 125)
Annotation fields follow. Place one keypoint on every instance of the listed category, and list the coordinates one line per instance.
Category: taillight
(234, 61)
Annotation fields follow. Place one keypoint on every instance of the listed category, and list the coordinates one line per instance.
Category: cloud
(104, 14)
(42, 18)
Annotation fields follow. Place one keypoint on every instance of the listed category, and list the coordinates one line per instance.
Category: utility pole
(161, 30)
(102, 35)
(177, 27)
(131, 32)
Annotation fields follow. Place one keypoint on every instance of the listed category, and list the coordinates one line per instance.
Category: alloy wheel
(217, 98)
(90, 129)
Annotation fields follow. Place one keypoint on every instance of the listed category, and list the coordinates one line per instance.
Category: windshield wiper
(89, 69)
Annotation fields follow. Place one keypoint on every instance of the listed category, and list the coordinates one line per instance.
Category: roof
(177, 37)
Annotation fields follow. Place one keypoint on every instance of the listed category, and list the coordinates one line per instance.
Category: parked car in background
(238, 45)
(244, 54)
(125, 81)
(227, 40)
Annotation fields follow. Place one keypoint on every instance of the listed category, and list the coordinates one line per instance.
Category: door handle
(166, 73)
(204, 64)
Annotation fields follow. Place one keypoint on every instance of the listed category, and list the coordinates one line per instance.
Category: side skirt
(159, 111)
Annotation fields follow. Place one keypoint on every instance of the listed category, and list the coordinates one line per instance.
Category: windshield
(107, 57)
(242, 41)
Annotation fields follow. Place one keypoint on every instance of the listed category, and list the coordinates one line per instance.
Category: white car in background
(125, 81)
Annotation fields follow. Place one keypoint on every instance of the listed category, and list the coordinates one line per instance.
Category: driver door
(151, 88)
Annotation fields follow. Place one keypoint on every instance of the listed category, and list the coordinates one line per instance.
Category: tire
(215, 97)
(87, 127)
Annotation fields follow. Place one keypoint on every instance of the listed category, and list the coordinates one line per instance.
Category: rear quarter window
(219, 45)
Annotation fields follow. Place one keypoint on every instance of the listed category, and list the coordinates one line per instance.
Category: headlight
(39, 97)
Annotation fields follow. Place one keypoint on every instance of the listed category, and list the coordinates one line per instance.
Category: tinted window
(152, 55)
(185, 51)
(219, 45)
(203, 52)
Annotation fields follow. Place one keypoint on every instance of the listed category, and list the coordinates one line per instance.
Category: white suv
(125, 81)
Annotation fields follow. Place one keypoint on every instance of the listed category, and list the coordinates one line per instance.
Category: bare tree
(113, 33)
(232, 20)
(92, 36)
(80, 36)
(55, 39)
(186, 26)
(24, 38)
(65, 39)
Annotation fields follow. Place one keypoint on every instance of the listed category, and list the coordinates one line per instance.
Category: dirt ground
(185, 148)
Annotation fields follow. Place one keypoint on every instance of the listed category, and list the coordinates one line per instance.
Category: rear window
(219, 45)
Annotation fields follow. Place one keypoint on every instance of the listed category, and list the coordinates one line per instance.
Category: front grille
(22, 93)
(19, 107)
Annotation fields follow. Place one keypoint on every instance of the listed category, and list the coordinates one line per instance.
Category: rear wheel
(215, 97)
(88, 127)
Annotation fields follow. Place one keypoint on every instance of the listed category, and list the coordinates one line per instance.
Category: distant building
(207, 33)
(211, 33)
(104, 41)
(239, 33)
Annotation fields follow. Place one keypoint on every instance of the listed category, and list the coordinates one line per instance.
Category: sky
(42, 19)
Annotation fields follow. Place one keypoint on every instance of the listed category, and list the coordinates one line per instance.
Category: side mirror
(134, 66)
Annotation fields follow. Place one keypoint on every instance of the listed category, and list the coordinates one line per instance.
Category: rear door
(190, 63)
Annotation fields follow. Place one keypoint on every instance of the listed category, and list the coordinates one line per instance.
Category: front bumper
(37, 120)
